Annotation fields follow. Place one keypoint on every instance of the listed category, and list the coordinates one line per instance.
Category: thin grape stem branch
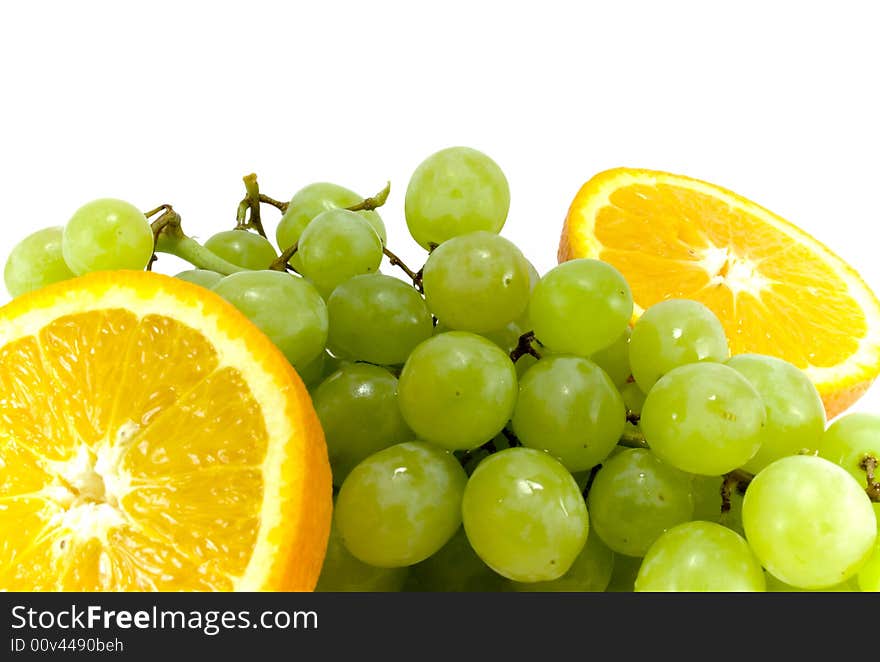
(281, 206)
(870, 463)
(248, 215)
(168, 237)
(373, 202)
(282, 262)
(525, 345)
(414, 276)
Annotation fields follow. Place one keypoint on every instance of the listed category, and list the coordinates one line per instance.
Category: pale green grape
(476, 282)
(343, 573)
(849, 440)
(457, 390)
(776, 586)
(313, 372)
(623, 576)
(204, 277)
(107, 234)
(336, 246)
(700, 557)
(809, 521)
(534, 276)
(401, 505)
(868, 579)
(580, 307)
(455, 191)
(568, 407)
(614, 359)
(242, 248)
(704, 418)
(671, 334)
(507, 337)
(36, 261)
(357, 407)
(286, 308)
(456, 568)
(310, 201)
(795, 414)
(590, 572)
(635, 497)
(377, 318)
(524, 515)
(633, 398)
(708, 502)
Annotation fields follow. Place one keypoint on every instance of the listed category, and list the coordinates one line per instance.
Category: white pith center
(739, 274)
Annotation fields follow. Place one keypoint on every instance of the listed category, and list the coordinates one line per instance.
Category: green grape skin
(524, 515)
(623, 576)
(336, 246)
(809, 522)
(456, 568)
(849, 440)
(590, 572)
(204, 277)
(795, 413)
(457, 390)
(704, 418)
(401, 505)
(378, 319)
(776, 586)
(357, 407)
(674, 333)
(286, 308)
(708, 502)
(614, 359)
(534, 276)
(568, 407)
(700, 557)
(633, 398)
(243, 249)
(107, 234)
(868, 579)
(635, 498)
(313, 372)
(36, 261)
(312, 200)
(455, 191)
(343, 573)
(476, 282)
(580, 307)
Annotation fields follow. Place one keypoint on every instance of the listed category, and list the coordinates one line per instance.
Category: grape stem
(373, 202)
(251, 202)
(168, 237)
(280, 206)
(525, 345)
(282, 262)
(415, 276)
(869, 463)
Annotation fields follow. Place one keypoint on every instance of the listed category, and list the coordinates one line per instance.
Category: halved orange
(776, 289)
(152, 438)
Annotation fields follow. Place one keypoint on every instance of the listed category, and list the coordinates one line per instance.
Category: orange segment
(151, 438)
(775, 289)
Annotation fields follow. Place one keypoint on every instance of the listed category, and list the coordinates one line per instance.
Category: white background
(174, 102)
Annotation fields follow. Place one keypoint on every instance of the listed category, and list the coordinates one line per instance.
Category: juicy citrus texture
(151, 438)
(776, 290)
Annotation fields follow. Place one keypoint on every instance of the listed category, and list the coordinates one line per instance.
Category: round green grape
(868, 579)
(243, 249)
(107, 234)
(795, 414)
(580, 307)
(36, 261)
(704, 418)
(674, 333)
(614, 359)
(204, 277)
(524, 515)
(590, 572)
(401, 505)
(850, 440)
(633, 398)
(809, 522)
(343, 573)
(457, 390)
(456, 568)
(455, 191)
(568, 407)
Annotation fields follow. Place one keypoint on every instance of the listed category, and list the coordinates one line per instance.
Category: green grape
(590, 572)
(614, 359)
(704, 418)
(343, 573)
(286, 308)
(336, 246)
(795, 414)
(633, 398)
(357, 407)
(476, 282)
(849, 440)
(313, 372)
(674, 333)
(868, 579)
(457, 390)
(568, 407)
(809, 522)
(107, 234)
(377, 318)
(243, 249)
(524, 515)
(534, 276)
(36, 261)
(205, 278)
(580, 307)
(310, 201)
(623, 576)
(507, 337)
(455, 191)
(700, 557)
(401, 505)
(708, 502)
(456, 568)
(776, 586)
(635, 497)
